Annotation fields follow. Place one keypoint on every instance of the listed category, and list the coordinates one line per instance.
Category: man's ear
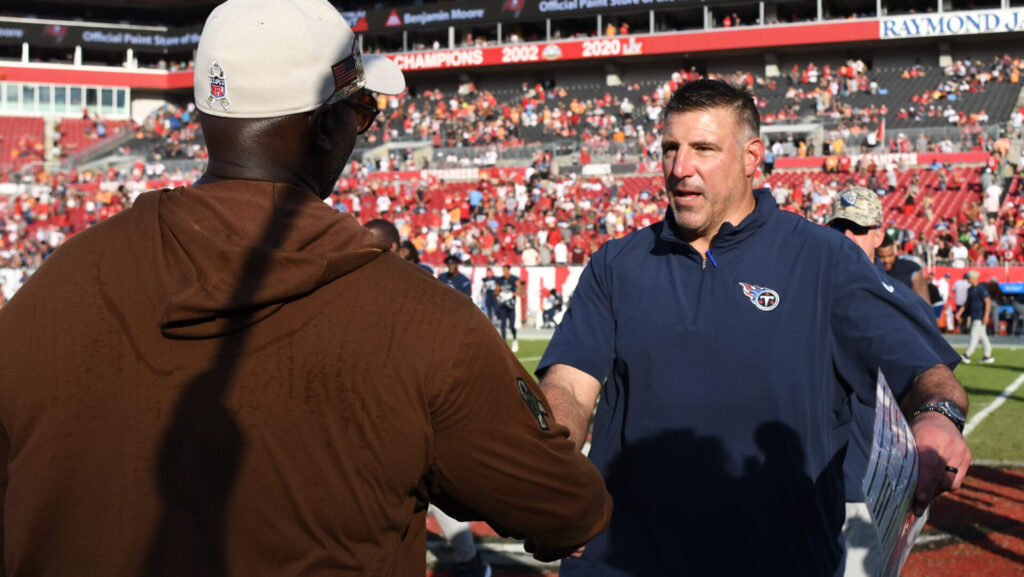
(324, 124)
(753, 156)
(879, 237)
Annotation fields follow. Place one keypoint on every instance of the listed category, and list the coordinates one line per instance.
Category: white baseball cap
(267, 58)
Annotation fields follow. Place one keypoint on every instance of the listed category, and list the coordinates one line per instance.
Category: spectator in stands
(959, 254)
(242, 410)
(993, 195)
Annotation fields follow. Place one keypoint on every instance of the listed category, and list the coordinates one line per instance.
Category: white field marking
(528, 359)
(978, 418)
(925, 539)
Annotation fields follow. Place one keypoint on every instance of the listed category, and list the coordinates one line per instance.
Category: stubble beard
(685, 230)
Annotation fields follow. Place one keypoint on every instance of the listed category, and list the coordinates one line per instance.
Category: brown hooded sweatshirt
(235, 379)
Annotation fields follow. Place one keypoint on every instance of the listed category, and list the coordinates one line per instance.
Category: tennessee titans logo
(763, 298)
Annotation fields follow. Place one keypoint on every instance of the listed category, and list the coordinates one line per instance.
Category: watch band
(946, 409)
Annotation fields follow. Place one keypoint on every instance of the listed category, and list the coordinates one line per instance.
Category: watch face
(946, 409)
(950, 411)
(953, 410)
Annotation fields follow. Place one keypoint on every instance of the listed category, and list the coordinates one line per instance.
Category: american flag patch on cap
(345, 72)
(348, 74)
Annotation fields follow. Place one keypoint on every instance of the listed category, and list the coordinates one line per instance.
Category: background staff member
(978, 305)
(857, 213)
(904, 270)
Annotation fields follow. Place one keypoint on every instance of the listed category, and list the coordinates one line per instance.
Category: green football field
(997, 436)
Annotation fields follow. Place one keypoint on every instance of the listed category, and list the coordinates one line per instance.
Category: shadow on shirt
(679, 511)
(202, 448)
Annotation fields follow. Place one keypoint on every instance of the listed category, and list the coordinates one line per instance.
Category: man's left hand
(941, 450)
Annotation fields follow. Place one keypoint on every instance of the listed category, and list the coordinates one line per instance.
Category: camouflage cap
(858, 205)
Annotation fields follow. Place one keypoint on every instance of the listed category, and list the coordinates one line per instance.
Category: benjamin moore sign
(478, 12)
(952, 24)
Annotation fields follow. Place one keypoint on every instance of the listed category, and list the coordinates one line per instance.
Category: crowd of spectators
(985, 230)
(530, 220)
(544, 218)
(171, 131)
(534, 218)
(623, 124)
(37, 220)
(26, 149)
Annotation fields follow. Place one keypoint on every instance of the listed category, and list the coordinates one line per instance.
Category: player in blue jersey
(455, 279)
(507, 289)
(723, 343)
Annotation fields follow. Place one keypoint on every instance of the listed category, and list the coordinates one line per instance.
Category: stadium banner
(506, 173)
(960, 23)
(147, 40)
(911, 159)
(483, 12)
(640, 45)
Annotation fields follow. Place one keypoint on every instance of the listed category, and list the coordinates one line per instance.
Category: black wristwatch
(946, 409)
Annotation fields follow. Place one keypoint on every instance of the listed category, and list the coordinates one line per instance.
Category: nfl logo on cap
(218, 87)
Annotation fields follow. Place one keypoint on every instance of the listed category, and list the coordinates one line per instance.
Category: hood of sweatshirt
(230, 254)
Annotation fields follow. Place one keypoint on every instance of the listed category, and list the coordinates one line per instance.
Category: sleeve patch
(533, 403)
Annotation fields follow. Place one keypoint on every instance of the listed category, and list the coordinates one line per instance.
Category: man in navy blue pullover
(724, 343)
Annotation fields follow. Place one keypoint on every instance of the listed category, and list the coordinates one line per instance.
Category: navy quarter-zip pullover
(725, 375)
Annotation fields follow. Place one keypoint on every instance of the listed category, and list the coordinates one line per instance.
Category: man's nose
(682, 165)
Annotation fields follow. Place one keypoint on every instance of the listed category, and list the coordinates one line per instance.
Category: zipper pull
(712, 258)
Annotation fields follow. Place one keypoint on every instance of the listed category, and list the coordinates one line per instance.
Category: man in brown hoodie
(217, 381)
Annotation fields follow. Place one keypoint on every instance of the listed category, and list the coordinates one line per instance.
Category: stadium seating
(78, 135)
(21, 141)
(946, 206)
(503, 116)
